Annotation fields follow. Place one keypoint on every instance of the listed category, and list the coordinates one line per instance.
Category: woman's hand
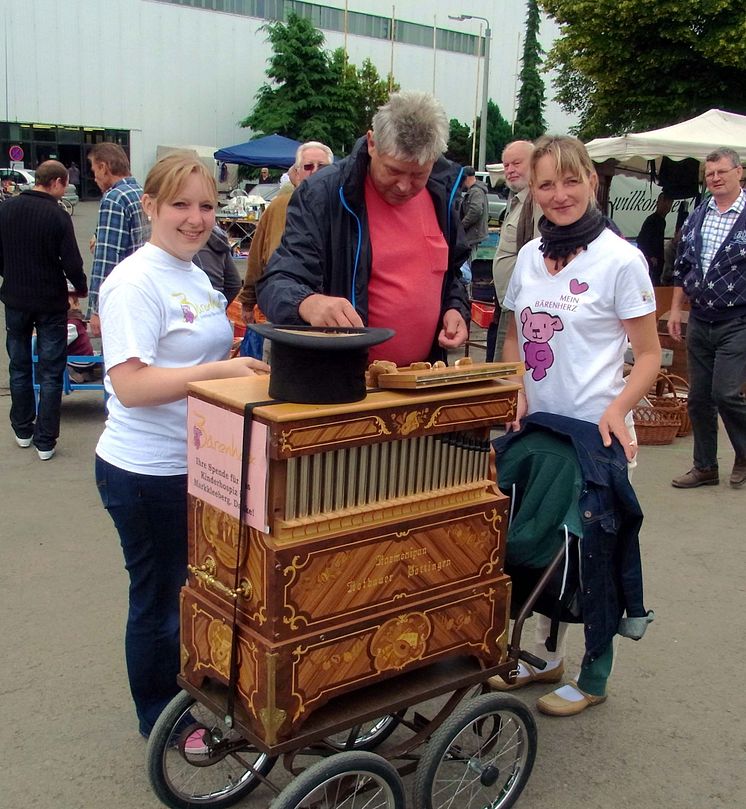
(521, 409)
(244, 366)
(612, 423)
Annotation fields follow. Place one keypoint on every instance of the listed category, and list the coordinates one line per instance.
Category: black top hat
(319, 365)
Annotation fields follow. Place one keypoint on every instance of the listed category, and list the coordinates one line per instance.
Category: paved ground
(671, 735)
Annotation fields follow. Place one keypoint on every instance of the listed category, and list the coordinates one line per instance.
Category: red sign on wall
(16, 154)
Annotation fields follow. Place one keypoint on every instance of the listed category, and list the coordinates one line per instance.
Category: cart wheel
(67, 205)
(194, 759)
(366, 736)
(480, 758)
(345, 781)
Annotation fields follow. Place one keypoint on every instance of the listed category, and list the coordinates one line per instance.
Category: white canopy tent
(694, 138)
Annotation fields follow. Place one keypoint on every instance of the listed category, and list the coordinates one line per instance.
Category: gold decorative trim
(329, 435)
(400, 641)
(408, 421)
(271, 716)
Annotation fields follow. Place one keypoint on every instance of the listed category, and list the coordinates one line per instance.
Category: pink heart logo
(578, 287)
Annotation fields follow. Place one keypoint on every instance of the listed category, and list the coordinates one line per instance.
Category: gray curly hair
(411, 126)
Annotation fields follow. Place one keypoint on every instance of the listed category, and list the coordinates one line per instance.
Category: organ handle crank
(206, 574)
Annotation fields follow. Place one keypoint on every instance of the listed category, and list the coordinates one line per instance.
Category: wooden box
(375, 541)
(280, 685)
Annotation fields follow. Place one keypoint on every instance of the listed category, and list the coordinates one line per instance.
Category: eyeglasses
(711, 175)
(313, 166)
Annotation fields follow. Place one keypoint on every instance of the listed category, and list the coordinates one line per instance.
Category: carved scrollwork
(400, 641)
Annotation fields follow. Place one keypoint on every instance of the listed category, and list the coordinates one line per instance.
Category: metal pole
(485, 99)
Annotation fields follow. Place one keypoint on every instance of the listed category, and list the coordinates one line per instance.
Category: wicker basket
(657, 424)
(666, 396)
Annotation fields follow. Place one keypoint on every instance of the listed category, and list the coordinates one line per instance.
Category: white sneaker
(23, 442)
(45, 454)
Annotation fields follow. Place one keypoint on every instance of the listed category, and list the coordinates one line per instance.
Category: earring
(150, 218)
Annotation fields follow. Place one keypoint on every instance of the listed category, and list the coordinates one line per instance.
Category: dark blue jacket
(326, 245)
(610, 565)
(722, 294)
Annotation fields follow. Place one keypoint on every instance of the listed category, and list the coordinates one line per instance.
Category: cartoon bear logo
(538, 329)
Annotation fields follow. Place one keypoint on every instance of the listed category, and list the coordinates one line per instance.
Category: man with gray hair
(710, 270)
(376, 239)
(519, 227)
(309, 158)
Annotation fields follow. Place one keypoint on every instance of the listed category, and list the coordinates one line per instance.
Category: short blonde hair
(569, 154)
(169, 175)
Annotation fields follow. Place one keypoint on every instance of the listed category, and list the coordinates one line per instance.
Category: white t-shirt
(570, 333)
(164, 312)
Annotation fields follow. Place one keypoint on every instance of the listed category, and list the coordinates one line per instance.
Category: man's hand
(454, 332)
(674, 324)
(92, 244)
(324, 310)
(94, 325)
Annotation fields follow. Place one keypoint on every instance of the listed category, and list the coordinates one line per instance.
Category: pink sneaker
(194, 744)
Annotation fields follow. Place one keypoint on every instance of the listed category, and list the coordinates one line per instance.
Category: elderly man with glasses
(309, 158)
(376, 239)
(710, 270)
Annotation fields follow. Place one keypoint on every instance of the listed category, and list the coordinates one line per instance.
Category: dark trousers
(51, 348)
(150, 514)
(717, 373)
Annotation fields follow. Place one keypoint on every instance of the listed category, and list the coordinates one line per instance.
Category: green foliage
(626, 65)
(529, 119)
(498, 133)
(314, 94)
(459, 142)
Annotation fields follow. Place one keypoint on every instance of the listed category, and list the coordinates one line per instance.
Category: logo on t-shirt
(538, 328)
(191, 311)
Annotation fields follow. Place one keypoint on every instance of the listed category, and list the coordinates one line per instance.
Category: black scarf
(559, 242)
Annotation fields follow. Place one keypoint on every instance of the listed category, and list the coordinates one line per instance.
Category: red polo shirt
(410, 258)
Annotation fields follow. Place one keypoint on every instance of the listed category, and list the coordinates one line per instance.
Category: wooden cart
(365, 578)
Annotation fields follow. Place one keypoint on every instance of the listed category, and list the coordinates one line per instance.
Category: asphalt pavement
(671, 734)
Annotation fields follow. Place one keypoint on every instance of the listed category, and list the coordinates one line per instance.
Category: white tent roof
(695, 138)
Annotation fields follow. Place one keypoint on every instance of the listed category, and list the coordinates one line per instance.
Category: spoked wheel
(350, 780)
(195, 759)
(480, 758)
(366, 736)
(67, 205)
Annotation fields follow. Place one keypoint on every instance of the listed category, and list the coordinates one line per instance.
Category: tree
(529, 118)
(314, 94)
(498, 132)
(459, 142)
(296, 104)
(627, 65)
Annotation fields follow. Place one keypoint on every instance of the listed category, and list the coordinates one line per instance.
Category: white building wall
(178, 75)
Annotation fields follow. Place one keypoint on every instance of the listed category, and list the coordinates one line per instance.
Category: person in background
(710, 270)
(579, 292)
(122, 227)
(216, 261)
(652, 238)
(38, 255)
(74, 176)
(519, 227)
(79, 343)
(163, 326)
(309, 158)
(474, 210)
(375, 239)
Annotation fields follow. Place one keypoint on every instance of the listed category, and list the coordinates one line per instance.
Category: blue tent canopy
(272, 150)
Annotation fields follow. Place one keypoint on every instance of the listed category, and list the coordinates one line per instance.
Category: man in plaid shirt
(122, 227)
(710, 270)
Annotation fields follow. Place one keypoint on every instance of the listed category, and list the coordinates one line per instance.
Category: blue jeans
(717, 373)
(51, 348)
(150, 514)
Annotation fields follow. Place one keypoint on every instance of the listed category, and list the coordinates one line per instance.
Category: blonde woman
(163, 326)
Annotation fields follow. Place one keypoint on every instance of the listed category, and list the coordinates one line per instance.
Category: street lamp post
(485, 83)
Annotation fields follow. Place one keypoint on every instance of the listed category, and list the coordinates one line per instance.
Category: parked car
(497, 198)
(24, 180)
